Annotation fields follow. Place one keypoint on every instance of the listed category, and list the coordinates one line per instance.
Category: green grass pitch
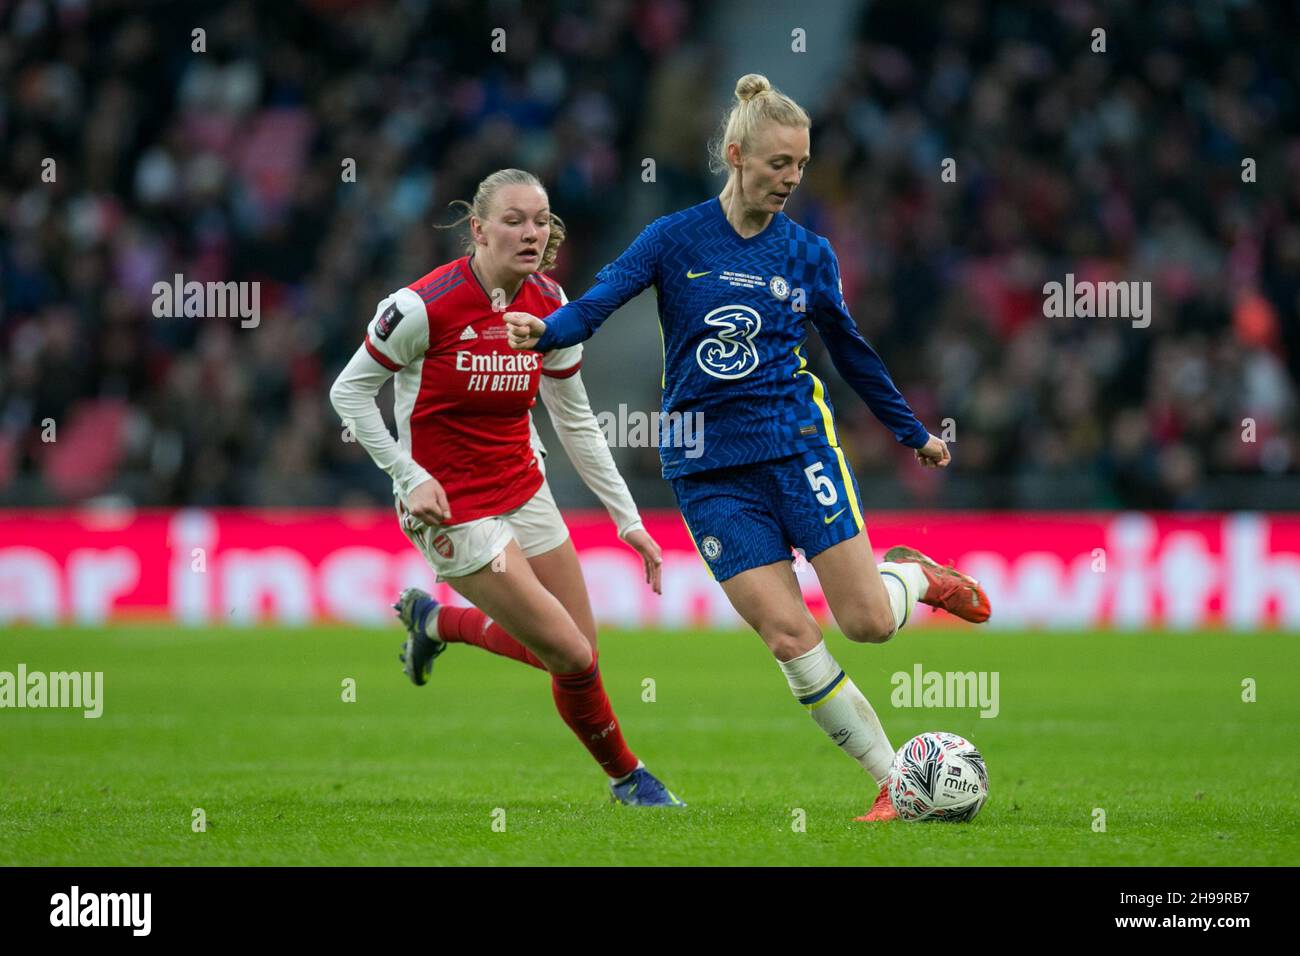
(250, 726)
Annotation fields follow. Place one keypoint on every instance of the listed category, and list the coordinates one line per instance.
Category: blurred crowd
(1119, 165)
(231, 163)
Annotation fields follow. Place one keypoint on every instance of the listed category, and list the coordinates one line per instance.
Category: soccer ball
(938, 776)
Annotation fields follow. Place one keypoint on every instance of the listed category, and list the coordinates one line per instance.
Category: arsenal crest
(442, 544)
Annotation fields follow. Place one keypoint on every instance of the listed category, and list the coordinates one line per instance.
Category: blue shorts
(751, 515)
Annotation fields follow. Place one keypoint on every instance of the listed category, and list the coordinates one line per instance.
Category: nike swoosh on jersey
(696, 275)
(834, 516)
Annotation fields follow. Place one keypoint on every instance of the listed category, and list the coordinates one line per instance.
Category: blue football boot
(413, 607)
(643, 789)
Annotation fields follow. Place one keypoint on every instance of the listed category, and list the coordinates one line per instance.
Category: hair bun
(750, 85)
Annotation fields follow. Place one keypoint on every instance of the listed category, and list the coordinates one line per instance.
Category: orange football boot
(958, 594)
(881, 810)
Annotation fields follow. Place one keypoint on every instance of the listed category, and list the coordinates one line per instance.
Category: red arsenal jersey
(462, 394)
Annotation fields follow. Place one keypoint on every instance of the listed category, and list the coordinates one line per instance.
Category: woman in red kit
(468, 471)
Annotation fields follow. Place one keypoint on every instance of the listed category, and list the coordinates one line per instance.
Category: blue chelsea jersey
(733, 311)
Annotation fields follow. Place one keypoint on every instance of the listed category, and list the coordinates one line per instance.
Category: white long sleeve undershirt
(353, 397)
(579, 433)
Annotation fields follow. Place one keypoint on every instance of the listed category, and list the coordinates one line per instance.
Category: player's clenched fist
(524, 330)
(934, 453)
(428, 503)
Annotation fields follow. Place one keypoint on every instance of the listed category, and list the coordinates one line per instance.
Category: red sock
(581, 700)
(469, 625)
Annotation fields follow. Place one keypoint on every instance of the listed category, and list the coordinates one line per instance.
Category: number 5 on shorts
(822, 486)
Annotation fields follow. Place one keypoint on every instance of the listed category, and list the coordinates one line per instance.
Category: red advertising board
(1041, 570)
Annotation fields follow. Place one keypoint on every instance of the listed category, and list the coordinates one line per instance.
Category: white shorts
(462, 549)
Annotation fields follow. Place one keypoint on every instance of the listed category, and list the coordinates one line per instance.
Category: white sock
(431, 624)
(906, 585)
(839, 708)
(640, 765)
